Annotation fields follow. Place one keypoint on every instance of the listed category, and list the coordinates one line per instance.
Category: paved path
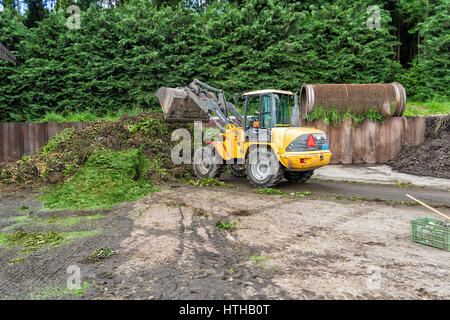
(375, 189)
(378, 174)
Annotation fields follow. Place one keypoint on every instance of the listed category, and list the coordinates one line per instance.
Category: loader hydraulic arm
(198, 102)
(220, 107)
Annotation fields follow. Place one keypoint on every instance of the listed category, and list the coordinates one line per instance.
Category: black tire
(238, 170)
(298, 176)
(263, 168)
(207, 163)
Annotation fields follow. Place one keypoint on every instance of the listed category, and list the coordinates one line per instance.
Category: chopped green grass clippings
(107, 178)
(268, 191)
(30, 242)
(208, 182)
(55, 291)
(17, 260)
(33, 241)
(20, 219)
(298, 195)
(82, 290)
(259, 260)
(3, 238)
(99, 254)
(226, 225)
(65, 153)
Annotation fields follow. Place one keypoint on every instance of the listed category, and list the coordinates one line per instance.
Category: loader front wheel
(298, 177)
(207, 163)
(263, 168)
(238, 170)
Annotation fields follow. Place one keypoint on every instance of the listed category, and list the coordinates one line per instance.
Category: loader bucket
(178, 106)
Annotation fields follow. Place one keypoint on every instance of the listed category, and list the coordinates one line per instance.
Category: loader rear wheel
(298, 176)
(207, 163)
(238, 170)
(263, 168)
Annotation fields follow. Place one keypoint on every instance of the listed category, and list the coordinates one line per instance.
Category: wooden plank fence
(370, 142)
(5, 54)
(23, 139)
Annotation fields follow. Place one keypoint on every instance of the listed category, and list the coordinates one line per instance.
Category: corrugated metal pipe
(389, 99)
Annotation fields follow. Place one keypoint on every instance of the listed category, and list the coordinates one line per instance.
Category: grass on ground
(415, 108)
(87, 116)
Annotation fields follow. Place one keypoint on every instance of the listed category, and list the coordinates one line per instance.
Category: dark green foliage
(36, 12)
(413, 80)
(435, 56)
(122, 55)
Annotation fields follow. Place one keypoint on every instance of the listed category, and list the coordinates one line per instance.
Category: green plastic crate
(432, 232)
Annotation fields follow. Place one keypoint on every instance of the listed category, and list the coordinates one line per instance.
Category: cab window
(282, 109)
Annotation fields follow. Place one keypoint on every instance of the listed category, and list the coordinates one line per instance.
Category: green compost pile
(64, 155)
(107, 178)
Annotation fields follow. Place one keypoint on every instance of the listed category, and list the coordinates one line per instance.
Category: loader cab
(270, 108)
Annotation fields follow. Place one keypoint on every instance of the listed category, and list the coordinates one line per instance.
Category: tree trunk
(418, 44)
(18, 7)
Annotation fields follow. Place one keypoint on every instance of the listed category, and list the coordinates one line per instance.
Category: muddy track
(368, 191)
(204, 263)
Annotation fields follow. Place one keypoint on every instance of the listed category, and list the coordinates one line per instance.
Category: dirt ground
(168, 246)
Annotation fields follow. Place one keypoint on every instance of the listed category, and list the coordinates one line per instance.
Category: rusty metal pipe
(389, 99)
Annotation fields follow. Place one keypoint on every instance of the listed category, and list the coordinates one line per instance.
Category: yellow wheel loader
(266, 146)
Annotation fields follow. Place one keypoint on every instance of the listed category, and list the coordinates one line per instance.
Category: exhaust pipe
(295, 116)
